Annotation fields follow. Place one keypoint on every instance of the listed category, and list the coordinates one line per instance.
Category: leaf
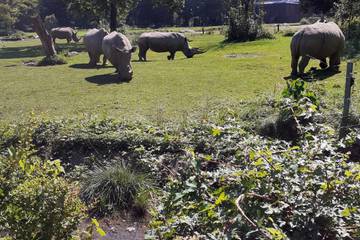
(95, 222)
(215, 132)
(101, 232)
(348, 173)
(345, 213)
(221, 199)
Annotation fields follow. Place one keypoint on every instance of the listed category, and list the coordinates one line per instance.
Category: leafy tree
(15, 11)
(348, 12)
(104, 9)
(317, 6)
(244, 20)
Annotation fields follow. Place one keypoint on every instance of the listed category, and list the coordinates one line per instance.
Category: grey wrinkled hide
(320, 40)
(64, 33)
(93, 43)
(164, 42)
(117, 48)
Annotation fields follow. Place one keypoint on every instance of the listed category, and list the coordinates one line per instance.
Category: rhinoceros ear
(119, 50)
(133, 49)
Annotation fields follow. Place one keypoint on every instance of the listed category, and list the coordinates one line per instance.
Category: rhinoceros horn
(197, 51)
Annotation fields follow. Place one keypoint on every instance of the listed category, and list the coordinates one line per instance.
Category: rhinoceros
(117, 48)
(64, 33)
(320, 41)
(165, 42)
(93, 43)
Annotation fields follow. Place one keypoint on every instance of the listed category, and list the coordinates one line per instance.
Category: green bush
(114, 187)
(35, 201)
(244, 22)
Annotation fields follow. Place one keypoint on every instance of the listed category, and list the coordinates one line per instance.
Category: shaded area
(20, 52)
(314, 75)
(36, 51)
(112, 78)
(87, 66)
(318, 74)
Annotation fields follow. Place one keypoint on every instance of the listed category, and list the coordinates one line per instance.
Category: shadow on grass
(87, 66)
(314, 75)
(104, 79)
(142, 61)
(36, 51)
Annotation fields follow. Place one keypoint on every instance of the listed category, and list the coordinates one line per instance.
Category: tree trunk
(45, 37)
(113, 16)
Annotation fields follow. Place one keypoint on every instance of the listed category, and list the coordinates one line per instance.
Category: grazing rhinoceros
(165, 42)
(117, 48)
(319, 40)
(64, 33)
(93, 43)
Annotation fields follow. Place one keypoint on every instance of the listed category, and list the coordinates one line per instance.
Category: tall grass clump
(114, 187)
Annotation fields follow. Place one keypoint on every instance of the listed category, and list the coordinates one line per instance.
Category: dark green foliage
(50, 22)
(317, 6)
(113, 187)
(348, 12)
(244, 21)
(51, 60)
(297, 109)
(15, 13)
(35, 201)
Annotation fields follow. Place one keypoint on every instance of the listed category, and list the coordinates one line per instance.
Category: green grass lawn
(226, 73)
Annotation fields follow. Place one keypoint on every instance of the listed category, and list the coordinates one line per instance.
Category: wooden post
(45, 37)
(278, 28)
(347, 100)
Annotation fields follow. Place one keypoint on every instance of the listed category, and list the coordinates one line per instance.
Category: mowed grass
(225, 74)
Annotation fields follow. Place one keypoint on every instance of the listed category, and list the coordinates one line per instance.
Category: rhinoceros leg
(303, 63)
(68, 40)
(335, 61)
(294, 65)
(54, 38)
(171, 56)
(104, 61)
(92, 59)
(323, 63)
(142, 54)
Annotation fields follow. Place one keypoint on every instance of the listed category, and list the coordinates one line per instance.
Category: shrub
(35, 202)
(51, 60)
(244, 22)
(113, 187)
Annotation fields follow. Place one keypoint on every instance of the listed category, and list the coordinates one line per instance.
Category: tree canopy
(317, 6)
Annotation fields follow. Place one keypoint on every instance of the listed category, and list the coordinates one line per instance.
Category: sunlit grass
(225, 74)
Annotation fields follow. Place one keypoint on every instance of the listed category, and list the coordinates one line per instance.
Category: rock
(71, 54)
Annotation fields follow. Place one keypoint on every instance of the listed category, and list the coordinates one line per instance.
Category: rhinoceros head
(75, 37)
(190, 52)
(123, 60)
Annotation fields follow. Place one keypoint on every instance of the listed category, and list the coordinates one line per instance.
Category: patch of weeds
(52, 60)
(114, 187)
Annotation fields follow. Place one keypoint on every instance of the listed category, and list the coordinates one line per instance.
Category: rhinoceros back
(62, 32)
(118, 41)
(93, 40)
(321, 40)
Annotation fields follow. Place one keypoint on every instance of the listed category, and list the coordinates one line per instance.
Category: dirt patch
(242, 55)
(117, 228)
